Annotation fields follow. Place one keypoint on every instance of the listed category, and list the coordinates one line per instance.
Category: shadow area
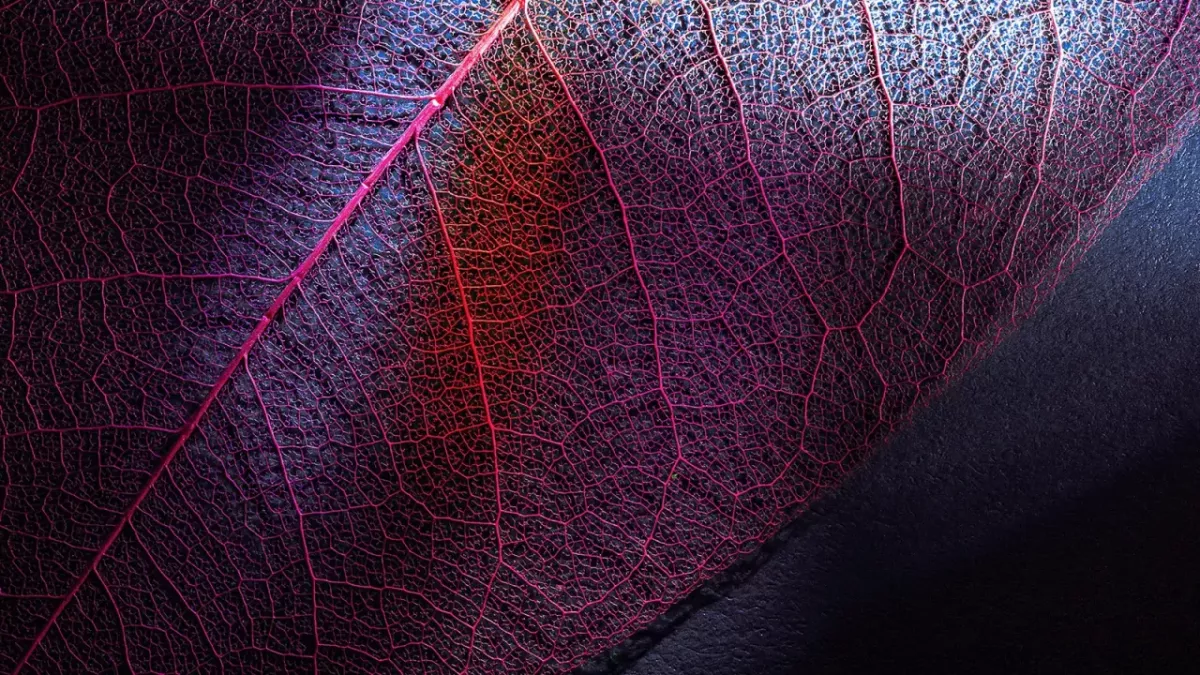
(1110, 586)
(1041, 516)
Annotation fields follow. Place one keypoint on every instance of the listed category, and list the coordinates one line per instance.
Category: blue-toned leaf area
(470, 336)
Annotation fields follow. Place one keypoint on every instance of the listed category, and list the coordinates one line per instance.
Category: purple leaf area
(468, 336)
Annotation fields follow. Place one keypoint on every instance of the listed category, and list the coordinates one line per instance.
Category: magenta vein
(189, 427)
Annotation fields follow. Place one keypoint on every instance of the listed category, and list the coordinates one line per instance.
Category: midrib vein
(184, 433)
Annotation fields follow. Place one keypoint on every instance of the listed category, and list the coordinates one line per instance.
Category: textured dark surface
(469, 335)
(1041, 516)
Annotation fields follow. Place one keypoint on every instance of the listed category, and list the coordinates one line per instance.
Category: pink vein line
(185, 432)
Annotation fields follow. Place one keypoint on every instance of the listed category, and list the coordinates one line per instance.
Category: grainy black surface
(1042, 516)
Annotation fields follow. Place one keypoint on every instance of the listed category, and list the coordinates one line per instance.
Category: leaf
(427, 336)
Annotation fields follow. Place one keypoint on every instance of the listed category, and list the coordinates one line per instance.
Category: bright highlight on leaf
(468, 336)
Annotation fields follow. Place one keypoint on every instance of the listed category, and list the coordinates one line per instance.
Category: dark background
(1042, 516)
